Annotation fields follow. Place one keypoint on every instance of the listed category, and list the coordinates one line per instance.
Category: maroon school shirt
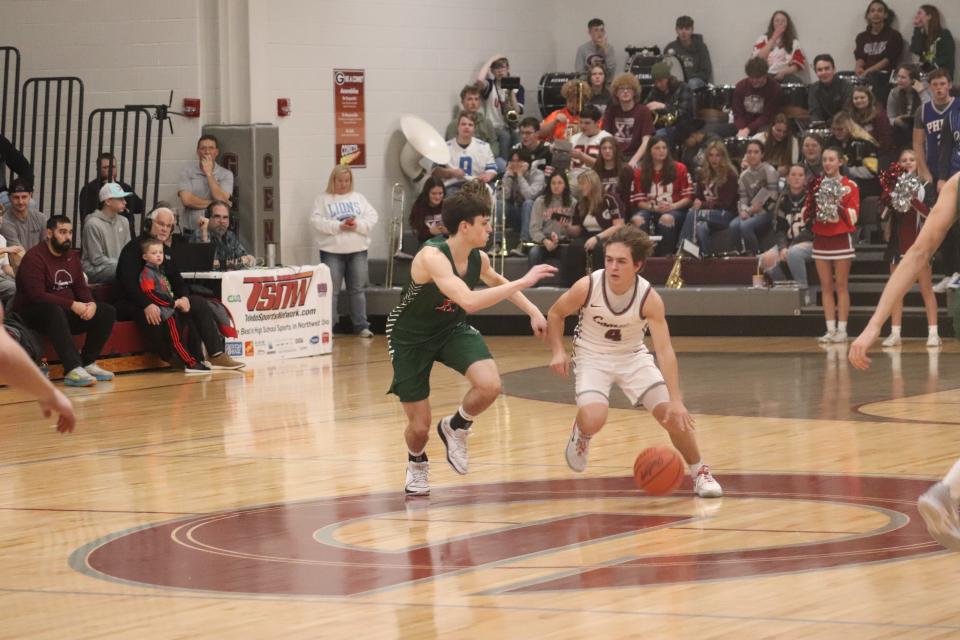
(44, 277)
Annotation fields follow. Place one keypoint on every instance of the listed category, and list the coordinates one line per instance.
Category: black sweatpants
(59, 325)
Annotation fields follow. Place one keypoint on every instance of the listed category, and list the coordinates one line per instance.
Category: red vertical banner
(349, 120)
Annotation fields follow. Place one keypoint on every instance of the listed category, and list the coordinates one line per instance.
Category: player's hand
(539, 324)
(152, 313)
(59, 404)
(537, 274)
(858, 348)
(678, 418)
(560, 364)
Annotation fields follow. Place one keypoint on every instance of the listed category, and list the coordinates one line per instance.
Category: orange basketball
(658, 471)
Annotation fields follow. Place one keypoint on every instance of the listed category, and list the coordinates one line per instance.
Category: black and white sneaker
(455, 441)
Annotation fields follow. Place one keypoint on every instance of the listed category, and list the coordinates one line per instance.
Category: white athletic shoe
(418, 479)
(578, 447)
(893, 340)
(943, 285)
(98, 372)
(455, 440)
(939, 511)
(826, 338)
(705, 485)
(934, 341)
(838, 336)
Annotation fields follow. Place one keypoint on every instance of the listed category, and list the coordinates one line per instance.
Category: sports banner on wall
(349, 120)
(279, 313)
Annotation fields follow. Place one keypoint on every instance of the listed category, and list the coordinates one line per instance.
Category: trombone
(395, 241)
(500, 229)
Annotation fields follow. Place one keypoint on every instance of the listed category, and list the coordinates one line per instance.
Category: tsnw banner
(279, 313)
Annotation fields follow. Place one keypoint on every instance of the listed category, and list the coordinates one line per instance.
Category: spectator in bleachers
(502, 105)
(931, 42)
(342, 220)
(550, 226)
(780, 148)
(105, 233)
(54, 300)
(950, 146)
(715, 202)
(201, 183)
(599, 82)
(229, 252)
(758, 187)
(179, 330)
(531, 143)
(860, 153)
(827, 96)
(756, 99)
(693, 54)
(833, 205)
(630, 122)
(878, 48)
(669, 96)
(794, 235)
(107, 171)
(470, 158)
(780, 48)
(470, 102)
(522, 183)
(615, 175)
(662, 193)
(906, 220)
(595, 217)
(811, 149)
(562, 124)
(693, 151)
(867, 112)
(425, 219)
(23, 225)
(17, 163)
(586, 143)
(133, 304)
(8, 284)
(595, 51)
(903, 103)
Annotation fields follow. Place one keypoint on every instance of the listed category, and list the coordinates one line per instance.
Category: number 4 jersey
(611, 323)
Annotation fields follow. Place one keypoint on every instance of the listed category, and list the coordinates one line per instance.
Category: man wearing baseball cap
(669, 96)
(23, 225)
(105, 232)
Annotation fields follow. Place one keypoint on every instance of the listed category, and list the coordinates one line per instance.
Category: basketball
(658, 471)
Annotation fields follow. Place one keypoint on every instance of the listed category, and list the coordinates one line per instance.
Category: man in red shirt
(54, 300)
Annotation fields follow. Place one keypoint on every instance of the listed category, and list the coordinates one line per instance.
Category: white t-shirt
(475, 159)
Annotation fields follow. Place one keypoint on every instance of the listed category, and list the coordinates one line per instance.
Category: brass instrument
(395, 241)
(675, 279)
(500, 229)
(663, 118)
(509, 107)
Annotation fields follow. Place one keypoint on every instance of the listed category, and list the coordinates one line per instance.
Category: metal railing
(127, 132)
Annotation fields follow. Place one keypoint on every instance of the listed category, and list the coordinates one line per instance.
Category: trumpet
(395, 241)
(675, 279)
(509, 107)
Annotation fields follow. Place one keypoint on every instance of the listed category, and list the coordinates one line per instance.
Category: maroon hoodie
(44, 277)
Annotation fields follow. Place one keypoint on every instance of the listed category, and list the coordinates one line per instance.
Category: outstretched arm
(573, 299)
(437, 269)
(934, 230)
(491, 278)
(17, 370)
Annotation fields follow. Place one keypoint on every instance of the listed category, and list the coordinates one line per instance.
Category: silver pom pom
(828, 200)
(904, 193)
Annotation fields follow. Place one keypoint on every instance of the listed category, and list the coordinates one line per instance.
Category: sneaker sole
(938, 524)
(220, 367)
(446, 448)
(410, 493)
(79, 384)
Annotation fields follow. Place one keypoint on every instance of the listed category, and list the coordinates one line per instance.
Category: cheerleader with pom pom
(906, 202)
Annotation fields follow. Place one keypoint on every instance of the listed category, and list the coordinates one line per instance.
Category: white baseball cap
(112, 190)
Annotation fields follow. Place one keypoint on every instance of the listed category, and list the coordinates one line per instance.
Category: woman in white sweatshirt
(342, 220)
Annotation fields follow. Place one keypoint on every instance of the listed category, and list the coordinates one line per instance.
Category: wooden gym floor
(268, 504)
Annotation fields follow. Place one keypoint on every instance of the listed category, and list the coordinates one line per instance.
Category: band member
(562, 124)
(833, 204)
(630, 122)
(617, 306)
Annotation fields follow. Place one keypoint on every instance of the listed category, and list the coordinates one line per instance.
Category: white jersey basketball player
(617, 306)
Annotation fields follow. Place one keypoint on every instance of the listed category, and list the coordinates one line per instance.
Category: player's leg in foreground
(485, 386)
(416, 434)
(685, 441)
(590, 419)
(939, 508)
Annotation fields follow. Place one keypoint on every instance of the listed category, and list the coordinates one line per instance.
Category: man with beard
(229, 252)
(54, 300)
(133, 303)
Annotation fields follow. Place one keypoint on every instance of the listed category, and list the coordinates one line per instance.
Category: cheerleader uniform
(905, 227)
(834, 240)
